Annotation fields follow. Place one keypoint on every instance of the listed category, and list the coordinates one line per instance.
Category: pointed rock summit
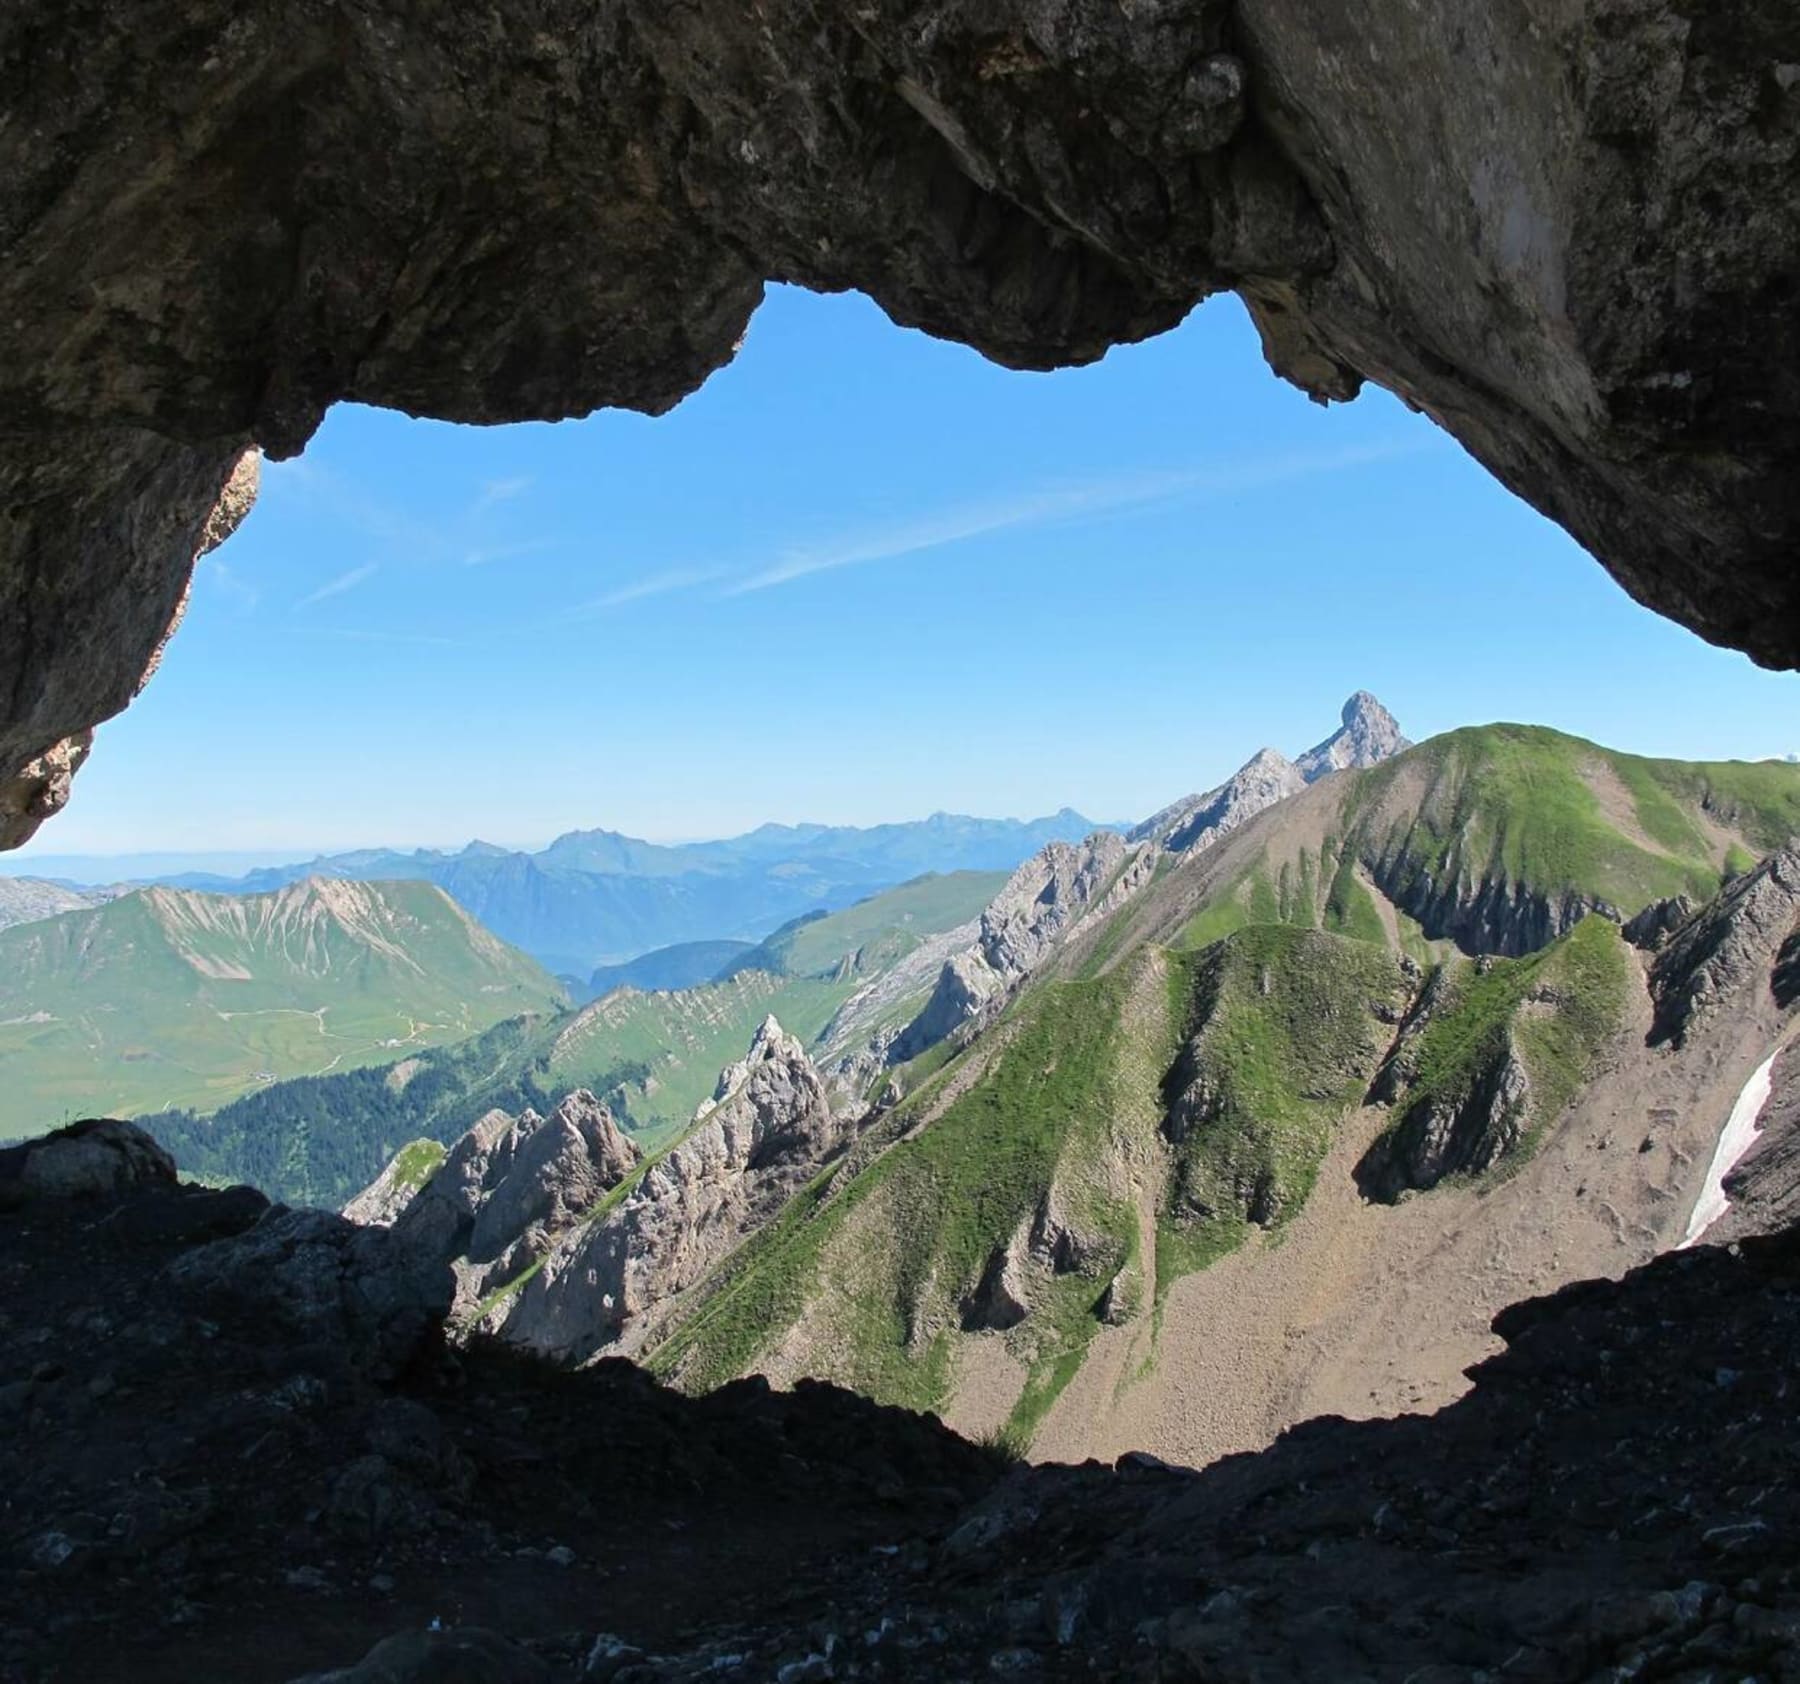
(502, 1196)
(1059, 888)
(1369, 735)
(605, 1285)
(563, 1240)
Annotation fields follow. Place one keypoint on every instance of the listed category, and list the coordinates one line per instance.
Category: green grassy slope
(1554, 1011)
(1290, 1025)
(1553, 814)
(1219, 1104)
(883, 925)
(1081, 1061)
(168, 998)
(882, 1259)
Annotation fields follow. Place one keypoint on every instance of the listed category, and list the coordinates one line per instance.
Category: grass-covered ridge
(1552, 1012)
(1555, 816)
(916, 1228)
(170, 998)
(1287, 1027)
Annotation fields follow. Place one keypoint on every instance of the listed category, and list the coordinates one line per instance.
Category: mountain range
(1161, 1139)
(654, 1055)
(595, 898)
(24, 900)
(169, 997)
(1198, 1132)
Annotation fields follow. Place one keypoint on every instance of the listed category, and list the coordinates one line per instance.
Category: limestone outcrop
(755, 1143)
(1058, 890)
(1563, 228)
(1044, 897)
(1736, 940)
(594, 1277)
(502, 1197)
(1466, 1132)
(1368, 735)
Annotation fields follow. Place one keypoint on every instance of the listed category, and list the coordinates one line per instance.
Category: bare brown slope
(1368, 1310)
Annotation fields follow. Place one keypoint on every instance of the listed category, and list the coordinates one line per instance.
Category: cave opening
(718, 891)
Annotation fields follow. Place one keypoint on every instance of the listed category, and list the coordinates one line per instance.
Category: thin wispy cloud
(336, 587)
(362, 634)
(481, 555)
(342, 500)
(655, 584)
(502, 490)
(1057, 505)
(467, 535)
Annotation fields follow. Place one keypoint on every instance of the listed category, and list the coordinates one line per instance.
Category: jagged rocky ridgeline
(566, 1242)
(1045, 1203)
(1067, 886)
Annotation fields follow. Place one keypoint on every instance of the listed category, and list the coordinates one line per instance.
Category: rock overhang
(1564, 231)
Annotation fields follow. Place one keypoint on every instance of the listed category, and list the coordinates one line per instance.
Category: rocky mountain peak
(771, 1044)
(602, 1284)
(1369, 735)
(1265, 762)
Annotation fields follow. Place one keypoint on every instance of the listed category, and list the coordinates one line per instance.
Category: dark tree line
(319, 1140)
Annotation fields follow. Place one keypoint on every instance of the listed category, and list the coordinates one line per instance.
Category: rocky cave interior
(1567, 232)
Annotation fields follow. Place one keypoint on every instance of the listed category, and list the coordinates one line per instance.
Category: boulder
(325, 1283)
(99, 1158)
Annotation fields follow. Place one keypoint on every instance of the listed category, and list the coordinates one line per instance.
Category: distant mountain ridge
(24, 900)
(685, 965)
(171, 996)
(596, 898)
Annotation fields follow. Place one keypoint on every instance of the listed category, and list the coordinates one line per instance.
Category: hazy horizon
(35, 860)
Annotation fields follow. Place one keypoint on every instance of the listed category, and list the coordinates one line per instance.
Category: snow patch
(1740, 1131)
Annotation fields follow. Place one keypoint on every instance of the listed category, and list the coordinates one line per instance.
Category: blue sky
(863, 575)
